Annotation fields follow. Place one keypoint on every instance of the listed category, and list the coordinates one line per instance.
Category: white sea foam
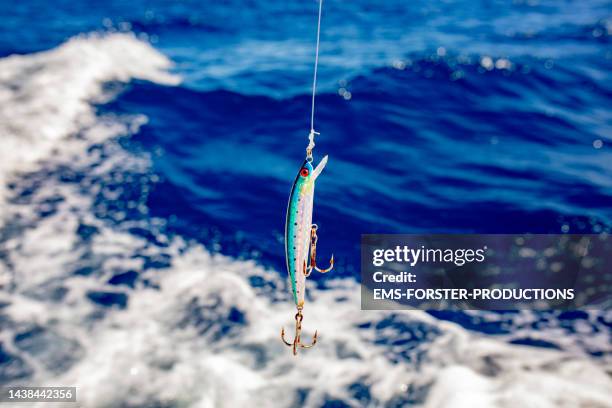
(199, 333)
(46, 98)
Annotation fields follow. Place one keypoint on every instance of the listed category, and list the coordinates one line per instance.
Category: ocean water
(148, 149)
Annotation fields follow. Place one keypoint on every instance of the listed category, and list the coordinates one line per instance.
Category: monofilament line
(314, 81)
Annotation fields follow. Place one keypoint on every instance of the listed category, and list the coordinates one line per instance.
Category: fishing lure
(300, 233)
(301, 242)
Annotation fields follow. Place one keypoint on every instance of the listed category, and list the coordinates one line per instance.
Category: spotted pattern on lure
(298, 228)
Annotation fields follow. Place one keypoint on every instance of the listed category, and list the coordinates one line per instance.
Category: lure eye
(304, 172)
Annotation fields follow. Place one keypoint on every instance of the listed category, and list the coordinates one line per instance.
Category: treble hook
(297, 341)
(313, 252)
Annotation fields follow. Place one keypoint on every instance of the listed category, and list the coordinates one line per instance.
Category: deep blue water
(455, 116)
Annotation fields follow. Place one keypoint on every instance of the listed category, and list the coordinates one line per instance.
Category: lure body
(298, 228)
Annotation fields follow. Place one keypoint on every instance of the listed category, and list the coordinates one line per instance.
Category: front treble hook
(297, 341)
(313, 252)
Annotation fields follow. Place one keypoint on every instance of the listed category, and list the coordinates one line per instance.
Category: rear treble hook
(297, 341)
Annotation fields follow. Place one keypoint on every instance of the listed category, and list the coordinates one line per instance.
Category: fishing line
(312, 133)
